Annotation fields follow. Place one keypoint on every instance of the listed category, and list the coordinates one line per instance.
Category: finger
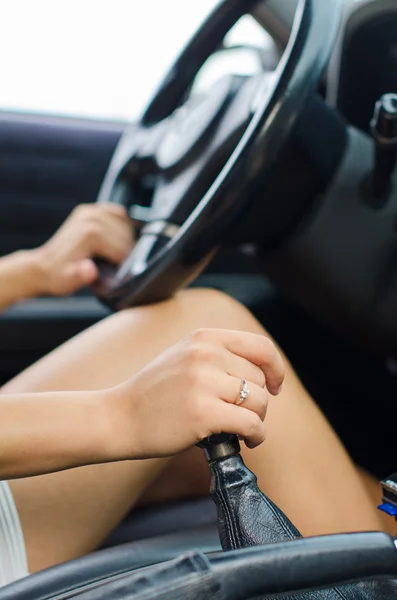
(116, 210)
(229, 418)
(114, 241)
(79, 274)
(121, 226)
(239, 367)
(257, 349)
(256, 402)
(120, 234)
(111, 250)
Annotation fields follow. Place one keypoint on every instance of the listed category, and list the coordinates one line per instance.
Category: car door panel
(47, 166)
(32, 329)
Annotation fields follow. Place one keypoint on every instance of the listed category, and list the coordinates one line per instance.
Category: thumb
(80, 273)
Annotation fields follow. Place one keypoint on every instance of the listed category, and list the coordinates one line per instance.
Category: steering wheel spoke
(134, 157)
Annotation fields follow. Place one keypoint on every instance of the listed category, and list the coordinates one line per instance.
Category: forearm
(19, 278)
(42, 433)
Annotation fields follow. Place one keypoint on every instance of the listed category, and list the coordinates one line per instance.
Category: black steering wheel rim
(276, 112)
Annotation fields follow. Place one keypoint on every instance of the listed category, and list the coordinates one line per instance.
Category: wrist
(39, 268)
(27, 274)
(97, 432)
(120, 423)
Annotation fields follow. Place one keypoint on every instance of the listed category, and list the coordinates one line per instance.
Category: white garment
(13, 560)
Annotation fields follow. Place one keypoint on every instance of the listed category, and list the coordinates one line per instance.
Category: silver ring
(244, 393)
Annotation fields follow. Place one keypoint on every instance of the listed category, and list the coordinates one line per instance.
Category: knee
(212, 303)
(220, 309)
(196, 307)
(205, 307)
(207, 297)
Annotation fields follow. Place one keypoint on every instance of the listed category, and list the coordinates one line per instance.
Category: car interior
(275, 183)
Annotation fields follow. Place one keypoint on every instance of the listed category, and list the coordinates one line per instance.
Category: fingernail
(280, 389)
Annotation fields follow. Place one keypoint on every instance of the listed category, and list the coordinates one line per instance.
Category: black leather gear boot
(246, 517)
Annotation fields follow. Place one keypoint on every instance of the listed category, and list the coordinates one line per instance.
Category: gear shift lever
(246, 517)
(384, 131)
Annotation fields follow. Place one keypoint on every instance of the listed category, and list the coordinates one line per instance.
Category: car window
(92, 58)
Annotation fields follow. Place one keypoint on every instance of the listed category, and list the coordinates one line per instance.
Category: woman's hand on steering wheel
(192, 391)
(64, 264)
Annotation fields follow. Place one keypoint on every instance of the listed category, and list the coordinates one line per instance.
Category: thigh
(186, 476)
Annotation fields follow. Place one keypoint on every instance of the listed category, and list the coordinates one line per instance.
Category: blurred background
(103, 59)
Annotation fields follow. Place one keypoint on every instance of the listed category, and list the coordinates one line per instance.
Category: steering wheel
(201, 154)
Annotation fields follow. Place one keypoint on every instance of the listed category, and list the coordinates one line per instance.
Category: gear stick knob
(384, 131)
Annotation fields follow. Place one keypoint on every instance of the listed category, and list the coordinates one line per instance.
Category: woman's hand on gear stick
(190, 392)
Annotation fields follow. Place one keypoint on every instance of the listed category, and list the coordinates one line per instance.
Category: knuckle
(200, 335)
(93, 230)
(196, 359)
(206, 353)
(107, 209)
(199, 347)
(192, 367)
(193, 353)
(82, 210)
(118, 209)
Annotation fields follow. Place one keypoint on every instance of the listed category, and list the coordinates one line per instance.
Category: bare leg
(302, 467)
(374, 491)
